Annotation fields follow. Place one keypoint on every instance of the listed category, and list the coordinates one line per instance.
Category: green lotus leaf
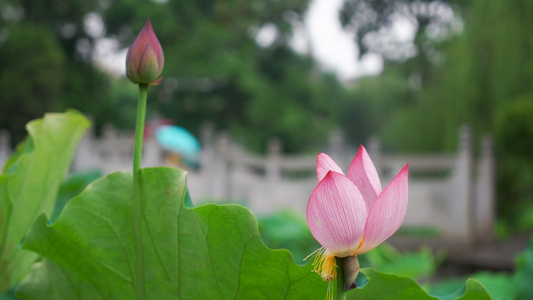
(207, 252)
(29, 185)
(377, 286)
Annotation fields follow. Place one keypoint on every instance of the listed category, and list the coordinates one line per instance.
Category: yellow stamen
(314, 252)
(324, 264)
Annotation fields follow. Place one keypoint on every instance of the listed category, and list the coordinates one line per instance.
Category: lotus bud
(145, 60)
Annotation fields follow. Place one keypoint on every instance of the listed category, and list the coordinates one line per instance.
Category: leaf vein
(157, 251)
(206, 233)
(101, 263)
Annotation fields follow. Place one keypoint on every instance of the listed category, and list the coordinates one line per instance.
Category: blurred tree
(216, 70)
(464, 78)
(32, 76)
(514, 133)
(372, 104)
(69, 77)
(481, 76)
(372, 22)
(393, 101)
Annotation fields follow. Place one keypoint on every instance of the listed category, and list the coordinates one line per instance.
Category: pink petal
(365, 177)
(387, 213)
(336, 214)
(324, 164)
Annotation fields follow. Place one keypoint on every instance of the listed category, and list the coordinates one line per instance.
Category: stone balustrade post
(273, 162)
(5, 146)
(207, 159)
(222, 181)
(336, 149)
(374, 150)
(86, 157)
(485, 209)
(461, 203)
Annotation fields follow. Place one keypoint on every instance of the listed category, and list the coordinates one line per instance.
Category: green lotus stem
(341, 290)
(137, 197)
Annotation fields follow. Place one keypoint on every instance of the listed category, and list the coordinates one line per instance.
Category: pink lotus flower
(145, 59)
(351, 214)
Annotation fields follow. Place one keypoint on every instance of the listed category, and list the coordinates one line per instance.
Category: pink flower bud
(145, 60)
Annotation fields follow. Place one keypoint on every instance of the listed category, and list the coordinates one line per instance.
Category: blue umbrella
(178, 140)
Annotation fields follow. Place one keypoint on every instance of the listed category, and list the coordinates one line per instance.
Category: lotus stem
(341, 288)
(137, 190)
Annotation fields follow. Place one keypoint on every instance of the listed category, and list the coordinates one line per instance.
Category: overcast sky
(333, 47)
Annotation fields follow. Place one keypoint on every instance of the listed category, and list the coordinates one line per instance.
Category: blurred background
(276, 81)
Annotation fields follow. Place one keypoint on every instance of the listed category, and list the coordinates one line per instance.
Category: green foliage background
(480, 75)
(216, 71)
(214, 68)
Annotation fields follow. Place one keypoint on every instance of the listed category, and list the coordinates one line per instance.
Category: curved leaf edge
(26, 146)
(472, 289)
(186, 201)
(251, 220)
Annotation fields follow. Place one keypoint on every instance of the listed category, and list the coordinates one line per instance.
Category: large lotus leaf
(378, 286)
(29, 185)
(208, 252)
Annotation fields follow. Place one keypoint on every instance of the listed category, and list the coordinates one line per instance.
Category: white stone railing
(459, 199)
(449, 192)
(460, 202)
(113, 151)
